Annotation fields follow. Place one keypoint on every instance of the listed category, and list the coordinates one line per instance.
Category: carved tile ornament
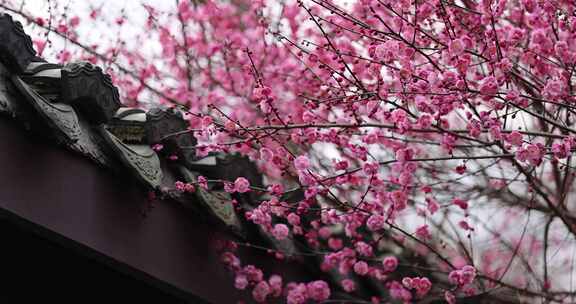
(164, 126)
(163, 122)
(60, 117)
(216, 202)
(9, 97)
(90, 90)
(92, 145)
(139, 157)
(132, 131)
(6, 106)
(229, 167)
(167, 126)
(16, 50)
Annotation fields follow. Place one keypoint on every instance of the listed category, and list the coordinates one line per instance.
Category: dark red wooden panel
(75, 202)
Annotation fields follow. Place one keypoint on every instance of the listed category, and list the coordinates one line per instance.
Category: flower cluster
(383, 129)
(463, 276)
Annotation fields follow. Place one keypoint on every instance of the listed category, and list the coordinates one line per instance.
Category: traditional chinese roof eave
(80, 168)
(77, 107)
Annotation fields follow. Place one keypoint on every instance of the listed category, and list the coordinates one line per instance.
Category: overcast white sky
(99, 30)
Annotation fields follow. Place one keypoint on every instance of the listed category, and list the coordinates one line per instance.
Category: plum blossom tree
(431, 140)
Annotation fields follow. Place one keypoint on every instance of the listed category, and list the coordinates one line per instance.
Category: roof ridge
(79, 108)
